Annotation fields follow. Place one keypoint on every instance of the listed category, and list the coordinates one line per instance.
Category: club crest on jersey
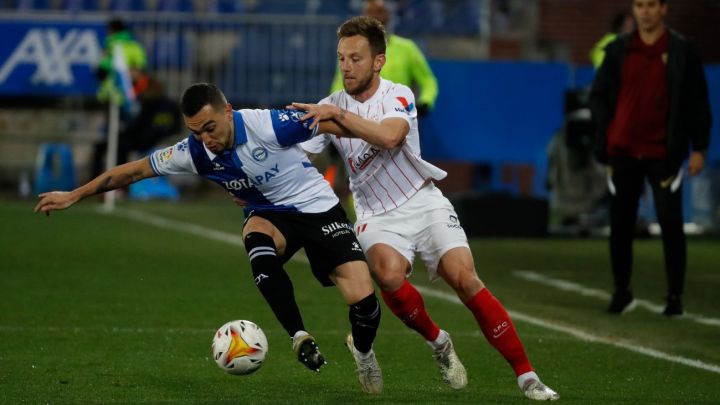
(217, 167)
(259, 154)
(407, 107)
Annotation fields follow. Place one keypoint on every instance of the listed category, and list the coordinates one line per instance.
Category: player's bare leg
(354, 282)
(389, 270)
(456, 267)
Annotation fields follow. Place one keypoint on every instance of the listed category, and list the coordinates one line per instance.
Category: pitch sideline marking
(214, 234)
(574, 287)
(579, 334)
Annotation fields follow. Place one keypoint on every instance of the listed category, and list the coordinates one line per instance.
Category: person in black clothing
(650, 103)
(158, 118)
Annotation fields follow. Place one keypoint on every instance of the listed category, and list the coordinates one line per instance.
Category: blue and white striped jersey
(266, 168)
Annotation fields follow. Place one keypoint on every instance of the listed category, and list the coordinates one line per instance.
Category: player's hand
(696, 163)
(321, 112)
(54, 201)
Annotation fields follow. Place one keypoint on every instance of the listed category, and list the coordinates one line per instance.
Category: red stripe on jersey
(402, 171)
(393, 180)
(386, 191)
(375, 194)
(367, 203)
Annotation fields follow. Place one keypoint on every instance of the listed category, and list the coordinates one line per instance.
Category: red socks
(499, 330)
(407, 304)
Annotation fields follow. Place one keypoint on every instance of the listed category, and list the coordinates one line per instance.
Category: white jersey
(266, 168)
(381, 180)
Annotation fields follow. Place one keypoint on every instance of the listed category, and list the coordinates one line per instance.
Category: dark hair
(367, 27)
(116, 25)
(198, 95)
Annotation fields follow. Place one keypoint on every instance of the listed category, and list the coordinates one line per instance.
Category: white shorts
(426, 223)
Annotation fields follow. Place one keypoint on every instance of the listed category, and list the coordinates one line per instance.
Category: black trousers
(627, 181)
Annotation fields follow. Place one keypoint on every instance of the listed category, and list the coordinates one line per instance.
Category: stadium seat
(128, 5)
(178, 6)
(280, 7)
(153, 188)
(225, 6)
(54, 168)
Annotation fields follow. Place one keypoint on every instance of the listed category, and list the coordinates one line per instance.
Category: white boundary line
(577, 333)
(571, 286)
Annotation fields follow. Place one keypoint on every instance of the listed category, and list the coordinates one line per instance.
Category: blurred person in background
(157, 119)
(622, 23)
(650, 103)
(120, 71)
(400, 211)
(253, 155)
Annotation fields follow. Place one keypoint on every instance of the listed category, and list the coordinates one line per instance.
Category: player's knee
(387, 279)
(462, 278)
(261, 249)
(366, 312)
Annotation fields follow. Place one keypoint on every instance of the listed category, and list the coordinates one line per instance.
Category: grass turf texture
(98, 308)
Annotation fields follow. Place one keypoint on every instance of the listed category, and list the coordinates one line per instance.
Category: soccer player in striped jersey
(254, 155)
(400, 211)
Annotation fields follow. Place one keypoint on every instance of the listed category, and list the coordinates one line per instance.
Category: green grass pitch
(99, 308)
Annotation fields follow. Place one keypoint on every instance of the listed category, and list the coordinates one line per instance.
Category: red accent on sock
(499, 330)
(408, 305)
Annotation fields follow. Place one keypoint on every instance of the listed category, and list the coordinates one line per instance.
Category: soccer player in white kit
(253, 154)
(400, 211)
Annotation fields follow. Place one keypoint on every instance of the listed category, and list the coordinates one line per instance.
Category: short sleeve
(288, 128)
(174, 159)
(399, 102)
(317, 144)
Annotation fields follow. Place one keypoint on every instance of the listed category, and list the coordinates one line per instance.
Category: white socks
(442, 338)
(524, 378)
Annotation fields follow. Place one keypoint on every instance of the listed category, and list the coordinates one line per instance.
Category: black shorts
(328, 238)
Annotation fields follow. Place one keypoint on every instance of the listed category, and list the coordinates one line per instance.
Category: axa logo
(407, 106)
(360, 162)
(53, 54)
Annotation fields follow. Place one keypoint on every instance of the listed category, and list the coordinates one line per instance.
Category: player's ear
(229, 111)
(379, 62)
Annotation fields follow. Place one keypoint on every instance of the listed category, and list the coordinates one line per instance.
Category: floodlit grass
(102, 309)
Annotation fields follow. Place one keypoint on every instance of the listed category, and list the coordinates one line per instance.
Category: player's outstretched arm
(117, 177)
(387, 134)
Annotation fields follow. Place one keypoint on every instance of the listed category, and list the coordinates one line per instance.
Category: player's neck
(369, 92)
(649, 37)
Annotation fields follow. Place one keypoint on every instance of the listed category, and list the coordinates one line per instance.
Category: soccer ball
(239, 347)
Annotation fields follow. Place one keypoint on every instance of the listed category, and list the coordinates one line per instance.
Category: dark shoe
(674, 306)
(622, 301)
(308, 353)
